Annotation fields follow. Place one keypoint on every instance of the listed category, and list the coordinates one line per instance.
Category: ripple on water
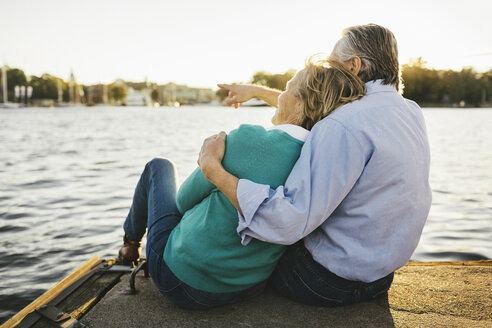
(94, 202)
(13, 228)
(42, 183)
(63, 235)
(63, 200)
(105, 162)
(16, 260)
(441, 191)
(70, 152)
(13, 216)
(455, 256)
(448, 238)
(53, 251)
(117, 209)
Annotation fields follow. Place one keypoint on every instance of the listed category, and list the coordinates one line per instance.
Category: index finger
(224, 86)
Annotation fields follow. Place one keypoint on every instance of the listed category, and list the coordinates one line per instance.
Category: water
(67, 177)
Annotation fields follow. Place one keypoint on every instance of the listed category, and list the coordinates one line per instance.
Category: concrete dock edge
(423, 294)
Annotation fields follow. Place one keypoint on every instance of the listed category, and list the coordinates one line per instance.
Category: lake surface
(67, 177)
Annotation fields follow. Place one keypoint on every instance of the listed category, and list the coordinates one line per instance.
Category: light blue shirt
(359, 194)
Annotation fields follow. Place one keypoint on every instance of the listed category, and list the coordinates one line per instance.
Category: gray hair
(376, 47)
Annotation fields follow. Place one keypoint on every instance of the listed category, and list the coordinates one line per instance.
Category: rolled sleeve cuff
(250, 195)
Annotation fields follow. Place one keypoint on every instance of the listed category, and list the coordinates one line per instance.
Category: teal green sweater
(204, 250)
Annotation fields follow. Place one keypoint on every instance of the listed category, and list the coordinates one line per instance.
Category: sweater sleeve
(193, 190)
(196, 187)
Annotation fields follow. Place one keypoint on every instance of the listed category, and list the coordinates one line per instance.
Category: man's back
(377, 226)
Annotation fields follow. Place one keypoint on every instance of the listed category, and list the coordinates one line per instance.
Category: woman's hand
(211, 154)
(238, 93)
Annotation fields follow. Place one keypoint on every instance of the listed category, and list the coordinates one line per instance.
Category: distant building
(75, 91)
(171, 93)
(139, 94)
(205, 95)
(97, 94)
(138, 97)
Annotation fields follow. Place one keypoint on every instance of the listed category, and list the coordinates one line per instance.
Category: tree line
(431, 87)
(424, 85)
(46, 86)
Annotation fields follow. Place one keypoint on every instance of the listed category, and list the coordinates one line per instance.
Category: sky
(204, 42)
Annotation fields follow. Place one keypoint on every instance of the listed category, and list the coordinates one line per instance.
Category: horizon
(202, 44)
(205, 87)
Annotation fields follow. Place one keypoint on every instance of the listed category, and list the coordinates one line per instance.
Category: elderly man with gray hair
(355, 203)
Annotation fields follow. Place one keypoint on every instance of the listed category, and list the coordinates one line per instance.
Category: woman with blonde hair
(194, 253)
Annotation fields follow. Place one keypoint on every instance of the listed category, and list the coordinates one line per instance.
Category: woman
(194, 254)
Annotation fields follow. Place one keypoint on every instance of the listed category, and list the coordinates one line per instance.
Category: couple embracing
(325, 205)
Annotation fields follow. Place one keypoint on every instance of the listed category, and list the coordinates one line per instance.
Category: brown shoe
(129, 252)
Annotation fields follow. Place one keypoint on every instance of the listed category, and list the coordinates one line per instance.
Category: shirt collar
(295, 131)
(378, 86)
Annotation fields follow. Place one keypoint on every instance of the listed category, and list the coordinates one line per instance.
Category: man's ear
(354, 64)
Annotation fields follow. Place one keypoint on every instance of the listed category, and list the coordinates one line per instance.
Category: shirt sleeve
(330, 164)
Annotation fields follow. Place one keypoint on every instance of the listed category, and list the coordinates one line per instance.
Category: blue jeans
(154, 209)
(302, 279)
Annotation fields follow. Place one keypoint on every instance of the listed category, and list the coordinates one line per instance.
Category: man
(356, 201)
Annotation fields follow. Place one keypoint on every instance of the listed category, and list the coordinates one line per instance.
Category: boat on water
(254, 102)
(10, 105)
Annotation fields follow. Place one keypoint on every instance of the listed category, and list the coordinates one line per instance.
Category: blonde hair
(324, 85)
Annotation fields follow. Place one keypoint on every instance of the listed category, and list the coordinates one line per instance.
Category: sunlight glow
(202, 43)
